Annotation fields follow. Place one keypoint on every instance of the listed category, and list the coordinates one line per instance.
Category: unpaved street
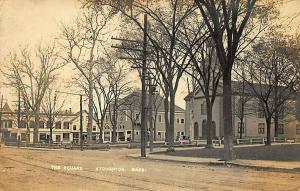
(23, 169)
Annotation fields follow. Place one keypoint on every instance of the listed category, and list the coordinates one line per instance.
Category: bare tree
(206, 71)
(51, 107)
(33, 76)
(120, 86)
(157, 101)
(84, 49)
(130, 107)
(272, 76)
(104, 97)
(227, 23)
(242, 107)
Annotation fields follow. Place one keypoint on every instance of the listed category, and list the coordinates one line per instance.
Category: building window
(94, 128)
(66, 136)
(182, 121)
(260, 112)
(203, 108)
(241, 127)
(137, 116)
(58, 125)
(66, 125)
(31, 124)
(41, 124)
(178, 120)
(94, 136)
(13, 136)
(122, 117)
(23, 124)
(159, 135)
(280, 129)
(159, 118)
(137, 133)
(57, 138)
(48, 125)
(298, 129)
(43, 137)
(261, 128)
(74, 127)
(7, 123)
(23, 136)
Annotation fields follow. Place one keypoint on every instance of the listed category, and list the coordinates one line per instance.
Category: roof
(133, 101)
(237, 89)
(6, 108)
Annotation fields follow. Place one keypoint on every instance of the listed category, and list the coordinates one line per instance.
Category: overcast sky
(30, 21)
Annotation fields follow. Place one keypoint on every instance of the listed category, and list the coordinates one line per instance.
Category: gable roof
(133, 101)
(237, 90)
(6, 108)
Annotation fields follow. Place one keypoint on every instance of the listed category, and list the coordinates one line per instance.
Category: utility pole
(150, 111)
(80, 117)
(144, 72)
(81, 126)
(52, 117)
(19, 107)
(144, 69)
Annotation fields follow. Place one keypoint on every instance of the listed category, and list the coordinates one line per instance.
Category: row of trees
(270, 75)
(99, 75)
(188, 36)
(204, 39)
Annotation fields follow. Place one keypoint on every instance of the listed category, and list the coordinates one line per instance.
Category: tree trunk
(172, 124)
(36, 127)
(276, 119)
(154, 127)
(268, 122)
(227, 117)
(51, 130)
(91, 109)
(114, 124)
(133, 122)
(151, 117)
(167, 124)
(209, 124)
(241, 127)
(50, 136)
(101, 131)
(27, 131)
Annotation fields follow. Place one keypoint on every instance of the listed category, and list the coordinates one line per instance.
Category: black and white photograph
(154, 95)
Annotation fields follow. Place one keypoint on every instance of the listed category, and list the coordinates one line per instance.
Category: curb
(32, 148)
(223, 163)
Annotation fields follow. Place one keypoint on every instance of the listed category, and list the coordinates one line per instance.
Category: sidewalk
(274, 166)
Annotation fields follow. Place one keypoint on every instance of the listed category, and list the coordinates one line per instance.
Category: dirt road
(23, 169)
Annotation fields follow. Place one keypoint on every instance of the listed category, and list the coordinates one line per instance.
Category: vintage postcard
(149, 95)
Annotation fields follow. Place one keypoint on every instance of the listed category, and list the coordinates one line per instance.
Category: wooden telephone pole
(144, 116)
(144, 73)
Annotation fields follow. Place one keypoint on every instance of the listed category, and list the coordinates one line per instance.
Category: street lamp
(81, 125)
